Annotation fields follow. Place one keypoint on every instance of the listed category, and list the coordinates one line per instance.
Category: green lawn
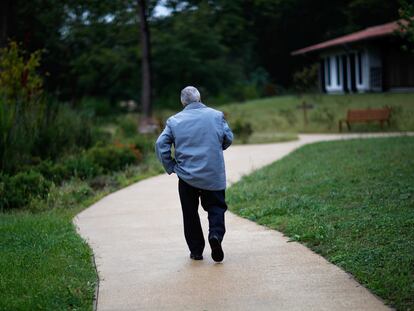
(351, 201)
(280, 114)
(278, 118)
(44, 263)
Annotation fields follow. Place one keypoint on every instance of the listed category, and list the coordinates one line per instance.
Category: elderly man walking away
(199, 135)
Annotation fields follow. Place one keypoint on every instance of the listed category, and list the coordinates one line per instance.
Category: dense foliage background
(231, 49)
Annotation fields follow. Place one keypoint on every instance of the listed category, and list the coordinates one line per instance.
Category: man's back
(199, 135)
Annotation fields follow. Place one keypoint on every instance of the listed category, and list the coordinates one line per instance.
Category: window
(338, 71)
(359, 55)
(328, 70)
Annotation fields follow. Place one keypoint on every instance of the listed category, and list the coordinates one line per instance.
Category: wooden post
(305, 115)
(304, 106)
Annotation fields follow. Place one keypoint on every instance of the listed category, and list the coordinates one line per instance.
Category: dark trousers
(213, 202)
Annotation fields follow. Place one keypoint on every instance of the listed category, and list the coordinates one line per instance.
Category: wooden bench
(366, 115)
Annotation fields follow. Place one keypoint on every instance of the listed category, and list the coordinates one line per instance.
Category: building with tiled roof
(370, 60)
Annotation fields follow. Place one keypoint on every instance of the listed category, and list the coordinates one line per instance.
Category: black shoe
(216, 250)
(196, 257)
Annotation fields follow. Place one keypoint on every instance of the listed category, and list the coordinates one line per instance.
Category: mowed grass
(280, 114)
(44, 263)
(351, 201)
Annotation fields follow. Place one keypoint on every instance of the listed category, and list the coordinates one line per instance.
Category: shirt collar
(194, 105)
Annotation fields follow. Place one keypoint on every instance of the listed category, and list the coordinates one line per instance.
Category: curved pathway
(143, 262)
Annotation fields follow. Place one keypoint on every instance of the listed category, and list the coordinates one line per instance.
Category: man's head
(189, 95)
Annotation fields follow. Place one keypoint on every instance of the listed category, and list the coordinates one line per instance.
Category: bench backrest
(369, 114)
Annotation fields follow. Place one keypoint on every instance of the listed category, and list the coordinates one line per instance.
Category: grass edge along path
(350, 201)
(45, 264)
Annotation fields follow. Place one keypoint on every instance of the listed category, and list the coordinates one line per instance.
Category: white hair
(190, 95)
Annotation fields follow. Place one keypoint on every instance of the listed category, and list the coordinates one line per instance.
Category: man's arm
(228, 135)
(163, 149)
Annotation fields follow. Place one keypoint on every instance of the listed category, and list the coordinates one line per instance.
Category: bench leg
(340, 126)
(348, 125)
(382, 124)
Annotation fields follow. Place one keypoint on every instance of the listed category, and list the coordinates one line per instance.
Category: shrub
(21, 105)
(100, 136)
(62, 130)
(114, 157)
(68, 195)
(103, 181)
(32, 124)
(145, 143)
(82, 166)
(306, 80)
(17, 191)
(128, 125)
(250, 91)
(242, 130)
(81, 193)
(56, 172)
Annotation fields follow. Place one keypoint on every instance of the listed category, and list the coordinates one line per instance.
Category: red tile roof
(368, 33)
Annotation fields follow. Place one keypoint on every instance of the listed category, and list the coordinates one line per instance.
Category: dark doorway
(352, 72)
(345, 73)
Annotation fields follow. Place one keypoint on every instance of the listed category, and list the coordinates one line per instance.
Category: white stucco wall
(364, 59)
(368, 58)
(336, 86)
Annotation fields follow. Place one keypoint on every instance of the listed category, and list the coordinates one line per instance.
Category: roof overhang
(370, 33)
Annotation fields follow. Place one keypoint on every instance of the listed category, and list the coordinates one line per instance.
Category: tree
(147, 123)
(406, 30)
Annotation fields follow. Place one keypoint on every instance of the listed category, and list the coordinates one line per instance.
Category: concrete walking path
(143, 262)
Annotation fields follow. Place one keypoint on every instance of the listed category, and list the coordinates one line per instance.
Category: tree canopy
(225, 47)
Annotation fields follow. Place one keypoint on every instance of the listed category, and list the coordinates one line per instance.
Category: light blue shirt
(199, 135)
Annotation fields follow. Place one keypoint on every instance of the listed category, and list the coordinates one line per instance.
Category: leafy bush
(114, 157)
(80, 193)
(18, 190)
(68, 195)
(82, 166)
(103, 181)
(128, 125)
(249, 91)
(145, 143)
(100, 136)
(56, 172)
(242, 130)
(21, 104)
(62, 130)
(31, 124)
(306, 79)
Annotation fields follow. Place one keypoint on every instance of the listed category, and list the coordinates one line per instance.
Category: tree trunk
(146, 124)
